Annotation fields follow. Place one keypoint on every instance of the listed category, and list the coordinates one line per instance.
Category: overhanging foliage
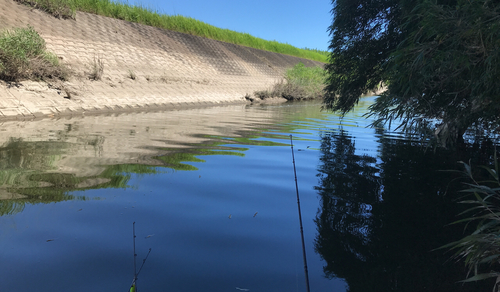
(439, 60)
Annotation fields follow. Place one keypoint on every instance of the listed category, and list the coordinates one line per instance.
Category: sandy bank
(144, 67)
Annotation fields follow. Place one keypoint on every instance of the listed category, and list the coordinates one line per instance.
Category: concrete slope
(170, 68)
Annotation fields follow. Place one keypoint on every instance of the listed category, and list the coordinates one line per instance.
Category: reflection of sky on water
(137, 162)
(192, 181)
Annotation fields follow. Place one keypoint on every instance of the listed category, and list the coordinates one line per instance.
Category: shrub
(299, 83)
(23, 56)
(310, 80)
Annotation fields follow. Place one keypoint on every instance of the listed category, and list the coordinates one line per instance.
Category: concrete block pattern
(143, 66)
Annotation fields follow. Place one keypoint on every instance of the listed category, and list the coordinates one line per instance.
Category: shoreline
(145, 68)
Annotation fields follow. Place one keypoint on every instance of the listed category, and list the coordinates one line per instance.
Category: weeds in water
(481, 249)
(58, 8)
(148, 16)
(299, 83)
(23, 56)
(96, 68)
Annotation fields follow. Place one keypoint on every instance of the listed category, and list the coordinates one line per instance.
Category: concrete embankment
(144, 67)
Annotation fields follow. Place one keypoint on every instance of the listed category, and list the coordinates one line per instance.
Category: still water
(212, 192)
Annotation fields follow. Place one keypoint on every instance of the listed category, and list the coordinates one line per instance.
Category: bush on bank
(299, 83)
(23, 56)
(151, 17)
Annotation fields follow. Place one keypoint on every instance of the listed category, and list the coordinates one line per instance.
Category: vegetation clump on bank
(23, 56)
(299, 83)
(151, 17)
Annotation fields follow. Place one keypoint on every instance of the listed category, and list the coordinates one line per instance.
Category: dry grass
(284, 89)
(47, 67)
(96, 69)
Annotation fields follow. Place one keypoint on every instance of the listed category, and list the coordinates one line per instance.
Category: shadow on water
(381, 219)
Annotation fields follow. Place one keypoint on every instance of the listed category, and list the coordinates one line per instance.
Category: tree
(439, 61)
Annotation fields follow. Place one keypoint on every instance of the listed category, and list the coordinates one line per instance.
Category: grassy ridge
(147, 16)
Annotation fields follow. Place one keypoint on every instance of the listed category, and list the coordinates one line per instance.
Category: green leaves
(439, 59)
(310, 79)
(300, 83)
(145, 15)
(57, 8)
(23, 55)
(17, 47)
(481, 248)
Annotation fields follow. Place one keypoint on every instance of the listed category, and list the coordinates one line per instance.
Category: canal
(212, 192)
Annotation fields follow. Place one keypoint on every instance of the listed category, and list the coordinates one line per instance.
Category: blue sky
(299, 23)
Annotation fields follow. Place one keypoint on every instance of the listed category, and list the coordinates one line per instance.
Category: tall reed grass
(481, 250)
(152, 17)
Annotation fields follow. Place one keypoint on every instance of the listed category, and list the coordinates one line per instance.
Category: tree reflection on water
(381, 219)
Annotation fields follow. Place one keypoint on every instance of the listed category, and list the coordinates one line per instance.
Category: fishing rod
(133, 287)
(300, 219)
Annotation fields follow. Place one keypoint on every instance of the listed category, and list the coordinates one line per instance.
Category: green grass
(23, 56)
(300, 83)
(178, 23)
(481, 250)
(58, 8)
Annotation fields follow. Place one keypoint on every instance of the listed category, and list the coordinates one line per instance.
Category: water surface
(212, 193)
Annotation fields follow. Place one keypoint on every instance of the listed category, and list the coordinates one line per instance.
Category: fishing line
(143, 262)
(300, 219)
(296, 270)
(133, 287)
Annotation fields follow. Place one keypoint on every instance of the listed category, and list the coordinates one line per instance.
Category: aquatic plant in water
(481, 249)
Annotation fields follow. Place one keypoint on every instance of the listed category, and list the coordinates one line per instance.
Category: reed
(481, 250)
(153, 17)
